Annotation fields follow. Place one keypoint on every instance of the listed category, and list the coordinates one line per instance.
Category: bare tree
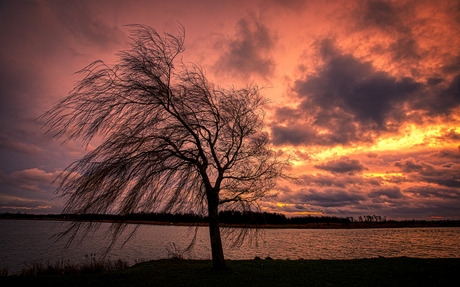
(170, 139)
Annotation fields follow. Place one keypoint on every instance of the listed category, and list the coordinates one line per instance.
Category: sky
(364, 94)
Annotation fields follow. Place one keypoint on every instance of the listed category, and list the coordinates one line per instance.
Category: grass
(399, 271)
(67, 268)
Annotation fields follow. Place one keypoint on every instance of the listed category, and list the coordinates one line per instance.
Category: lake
(27, 241)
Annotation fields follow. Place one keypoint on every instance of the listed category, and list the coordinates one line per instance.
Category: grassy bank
(177, 272)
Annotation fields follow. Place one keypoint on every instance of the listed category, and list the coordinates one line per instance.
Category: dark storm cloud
(434, 81)
(338, 180)
(409, 165)
(342, 165)
(456, 11)
(296, 5)
(426, 169)
(348, 101)
(446, 175)
(355, 87)
(387, 193)
(294, 134)
(329, 197)
(287, 115)
(380, 14)
(290, 131)
(454, 154)
(451, 135)
(452, 67)
(405, 48)
(444, 101)
(318, 196)
(427, 191)
(247, 53)
(388, 17)
(449, 182)
(372, 155)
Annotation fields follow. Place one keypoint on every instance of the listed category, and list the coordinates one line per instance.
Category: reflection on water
(29, 240)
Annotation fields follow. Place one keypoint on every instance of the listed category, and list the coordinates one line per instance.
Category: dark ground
(401, 271)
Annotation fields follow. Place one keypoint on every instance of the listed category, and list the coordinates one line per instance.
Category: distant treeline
(228, 217)
(236, 217)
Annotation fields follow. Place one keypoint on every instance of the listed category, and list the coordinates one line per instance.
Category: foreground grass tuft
(67, 268)
(400, 271)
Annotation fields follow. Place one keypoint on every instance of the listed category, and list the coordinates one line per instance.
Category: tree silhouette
(170, 140)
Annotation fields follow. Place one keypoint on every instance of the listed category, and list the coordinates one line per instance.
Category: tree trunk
(218, 260)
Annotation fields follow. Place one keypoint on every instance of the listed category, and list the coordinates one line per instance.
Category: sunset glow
(364, 95)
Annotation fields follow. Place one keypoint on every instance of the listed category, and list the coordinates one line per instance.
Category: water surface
(26, 241)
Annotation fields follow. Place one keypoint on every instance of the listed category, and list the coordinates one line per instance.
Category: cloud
(347, 100)
(344, 195)
(338, 180)
(409, 165)
(434, 81)
(372, 155)
(46, 41)
(453, 66)
(443, 102)
(247, 53)
(12, 144)
(395, 22)
(48, 23)
(15, 204)
(366, 71)
(328, 197)
(358, 93)
(295, 5)
(445, 153)
(342, 165)
(85, 26)
(15, 207)
(294, 135)
(29, 179)
(448, 135)
(386, 194)
(379, 14)
(347, 87)
(418, 188)
(426, 191)
(446, 175)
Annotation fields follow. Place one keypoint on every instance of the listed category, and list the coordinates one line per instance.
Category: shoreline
(322, 225)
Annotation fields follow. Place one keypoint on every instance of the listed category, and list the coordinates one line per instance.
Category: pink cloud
(11, 144)
(30, 179)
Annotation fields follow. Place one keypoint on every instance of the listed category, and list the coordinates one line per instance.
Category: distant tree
(170, 140)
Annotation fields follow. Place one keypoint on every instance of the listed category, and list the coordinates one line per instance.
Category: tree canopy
(170, 140)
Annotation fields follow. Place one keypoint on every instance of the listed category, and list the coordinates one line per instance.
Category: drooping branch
(170, 139)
